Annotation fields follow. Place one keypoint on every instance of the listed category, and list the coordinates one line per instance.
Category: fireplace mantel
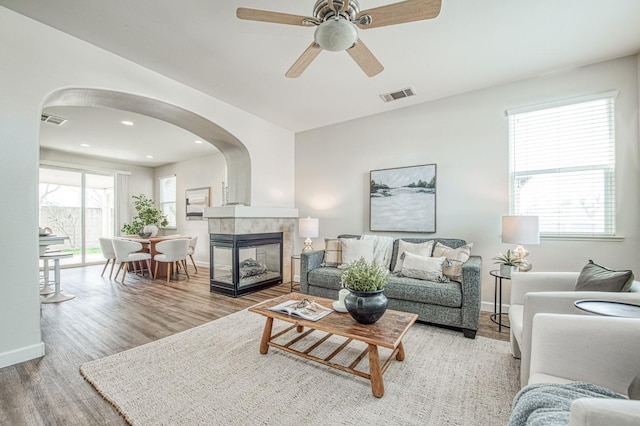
(249, 212)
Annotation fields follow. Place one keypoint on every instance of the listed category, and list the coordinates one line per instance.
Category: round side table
(608, 308)
(496, 318)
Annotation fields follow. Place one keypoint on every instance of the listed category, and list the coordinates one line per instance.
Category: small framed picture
(196, 200)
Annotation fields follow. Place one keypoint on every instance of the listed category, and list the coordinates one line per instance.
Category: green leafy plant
(147, 215)
(509, 259)
(364, 276)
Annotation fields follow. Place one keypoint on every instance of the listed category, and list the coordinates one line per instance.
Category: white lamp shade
(520, 230)
(336, 35)
(308, 228)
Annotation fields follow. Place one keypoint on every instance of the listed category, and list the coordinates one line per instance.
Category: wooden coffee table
(387, 332)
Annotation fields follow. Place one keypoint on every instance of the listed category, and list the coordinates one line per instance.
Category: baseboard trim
(488, 307)
(17, 356)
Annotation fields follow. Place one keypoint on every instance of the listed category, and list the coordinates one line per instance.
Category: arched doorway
(236, 155)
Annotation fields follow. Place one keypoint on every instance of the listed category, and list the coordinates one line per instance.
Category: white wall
(467, 137)
(30, 70)
(197, 173)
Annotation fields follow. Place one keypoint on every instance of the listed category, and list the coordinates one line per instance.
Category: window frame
(608, 170)
(162, 202)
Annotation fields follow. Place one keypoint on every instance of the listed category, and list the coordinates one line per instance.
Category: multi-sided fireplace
(243, 263)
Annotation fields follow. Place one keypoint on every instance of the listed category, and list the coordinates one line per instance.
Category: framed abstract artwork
(403, 199)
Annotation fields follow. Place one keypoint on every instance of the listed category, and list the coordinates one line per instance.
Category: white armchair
(548, 292)
(603, 351)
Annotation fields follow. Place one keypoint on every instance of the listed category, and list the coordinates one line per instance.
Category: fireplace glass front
(245, 263)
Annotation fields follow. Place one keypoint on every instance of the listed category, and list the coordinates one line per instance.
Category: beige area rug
(214, 374)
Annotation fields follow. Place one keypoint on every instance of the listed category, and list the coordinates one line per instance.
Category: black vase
(366, 307)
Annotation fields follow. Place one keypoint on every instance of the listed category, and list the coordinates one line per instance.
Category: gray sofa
(451, 304)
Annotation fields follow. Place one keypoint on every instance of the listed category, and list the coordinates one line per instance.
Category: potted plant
(365, 281)
(509, 263)
(148, 220)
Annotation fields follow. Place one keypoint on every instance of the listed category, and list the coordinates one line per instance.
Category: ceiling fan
(337, 23)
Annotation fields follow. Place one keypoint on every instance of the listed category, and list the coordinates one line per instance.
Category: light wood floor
(105, 318)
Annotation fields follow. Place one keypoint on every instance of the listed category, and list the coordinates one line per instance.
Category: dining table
(149, 246)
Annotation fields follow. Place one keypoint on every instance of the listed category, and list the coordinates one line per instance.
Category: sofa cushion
(325, 277)
(421, 249)
(413, 290)
(594, 277)
(449, 242)
(402, 288)
(332, 252)
(353, 250)
(422, 267)
(456, 256)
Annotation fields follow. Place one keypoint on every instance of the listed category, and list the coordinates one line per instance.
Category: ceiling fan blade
(274, 17)
(365, 59)
(345, 6)
(303, 61)
(398, 13)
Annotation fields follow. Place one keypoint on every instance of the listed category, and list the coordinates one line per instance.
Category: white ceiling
(471, 45)
(107, 137)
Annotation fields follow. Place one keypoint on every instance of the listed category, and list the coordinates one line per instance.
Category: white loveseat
(602, 351)
(548, 292)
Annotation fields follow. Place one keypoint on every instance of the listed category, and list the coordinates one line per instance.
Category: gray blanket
(546, 404)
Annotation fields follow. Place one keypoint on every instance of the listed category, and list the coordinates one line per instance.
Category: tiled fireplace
(250, 247)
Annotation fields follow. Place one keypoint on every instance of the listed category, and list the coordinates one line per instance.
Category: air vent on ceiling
(48, 118)
(394, 96)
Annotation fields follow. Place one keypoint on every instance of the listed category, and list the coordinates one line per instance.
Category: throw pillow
(594, 277)
(456, 258)
(422, 267)
(421, 249)
(332, 252)
(353, 250)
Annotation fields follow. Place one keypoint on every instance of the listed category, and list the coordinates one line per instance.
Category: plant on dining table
(147, 215)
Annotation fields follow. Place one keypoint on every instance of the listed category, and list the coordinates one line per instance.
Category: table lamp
(308, 228)
(521, 230)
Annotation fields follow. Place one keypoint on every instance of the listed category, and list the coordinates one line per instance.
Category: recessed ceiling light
(127, 123)
(86, 145)
(198, 141)
(150, 156)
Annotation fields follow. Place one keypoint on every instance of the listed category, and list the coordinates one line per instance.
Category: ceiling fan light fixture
(336, 35)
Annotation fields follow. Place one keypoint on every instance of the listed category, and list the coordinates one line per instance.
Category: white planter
(151, 228)
(506, 270)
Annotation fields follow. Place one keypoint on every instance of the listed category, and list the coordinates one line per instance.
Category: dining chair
(192, 248)
(106, 246)
(127, 253)
(172, 252)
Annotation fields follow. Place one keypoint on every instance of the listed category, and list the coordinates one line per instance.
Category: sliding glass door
(78, 205)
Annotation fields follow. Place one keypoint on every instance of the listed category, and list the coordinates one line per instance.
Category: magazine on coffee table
(305, 309)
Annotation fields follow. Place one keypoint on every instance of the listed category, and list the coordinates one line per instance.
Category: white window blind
(563, 167)
(168, 199)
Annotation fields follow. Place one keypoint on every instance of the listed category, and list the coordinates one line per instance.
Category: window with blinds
(168, 199)
(562, 166)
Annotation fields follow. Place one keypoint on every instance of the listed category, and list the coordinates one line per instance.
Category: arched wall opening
(236, 155)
